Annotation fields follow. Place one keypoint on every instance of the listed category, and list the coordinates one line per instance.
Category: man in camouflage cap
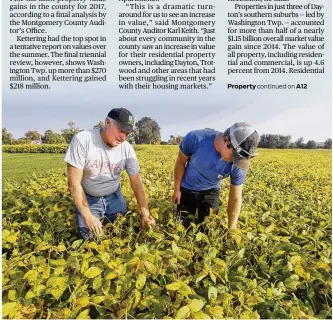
(205, 159)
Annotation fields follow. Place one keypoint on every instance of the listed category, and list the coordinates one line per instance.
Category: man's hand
(147, 221)
(176, 196)
(94, 224)
(235, 236)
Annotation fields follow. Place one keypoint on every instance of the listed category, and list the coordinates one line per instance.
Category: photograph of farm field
(276, 265)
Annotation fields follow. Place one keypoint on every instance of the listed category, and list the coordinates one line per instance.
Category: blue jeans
(101, 207)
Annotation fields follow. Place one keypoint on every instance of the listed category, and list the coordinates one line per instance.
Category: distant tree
(21, 141)
(147, 131)
(33, 135)
(269, 141)
(7, 138)
(328, 144)
(175, 139)
(51, 137)
(179, 139)
(283, 141)
(274, 141)
(299, 143)
(131, 138)
(311, 144)
(171, 139)
(99, 125)
(69, 133)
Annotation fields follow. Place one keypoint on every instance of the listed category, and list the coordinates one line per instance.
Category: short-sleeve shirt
(101, 164)
(206, 169)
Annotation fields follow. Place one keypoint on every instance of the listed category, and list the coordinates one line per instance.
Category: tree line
(278, 141)
(148, 131)
(49, 136)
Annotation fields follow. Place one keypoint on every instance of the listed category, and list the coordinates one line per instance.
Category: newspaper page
(166, 159)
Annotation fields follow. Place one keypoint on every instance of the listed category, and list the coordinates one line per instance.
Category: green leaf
(46, 272)
(31, 275)
(183, 312)
(12, 295)
(196, 305)
(173, 286)
(150, 267)
(301, 272)
(201, 276)
(7, 308)
(318, 234)
(105, 257)
(226, 297)
(212, 276)
(61, 248)
(101, 310)
(59, 262)
(76, 244)
(111, 275)
(279, 252)
(240, 253)
(253, 300)
(57, 292)
(249, 315)
(97, 299)
(97, 282)
(85, 266)
(140, 281)
(198, 237)
(212, 293)
(269, 293)
(81, 303)
(12, 238)
(92, 272)
(47, 237)
(39, 290)
(201, 315)
(295, 260)
(270, 228)
(30, 294)
(84, 315)
(184, 289)
(250, 235)
(216, 312)
(137, 298)
(60, 282)
(92, 245)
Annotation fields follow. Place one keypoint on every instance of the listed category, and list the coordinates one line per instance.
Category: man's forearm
(80, 199)
(234, 207)
(178, 175)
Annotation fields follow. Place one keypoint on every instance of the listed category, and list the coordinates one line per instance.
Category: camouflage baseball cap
(244, 139)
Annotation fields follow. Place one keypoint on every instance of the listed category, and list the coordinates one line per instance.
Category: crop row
(276, 265)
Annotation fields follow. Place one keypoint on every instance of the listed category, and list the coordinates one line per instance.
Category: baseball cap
(244, 139)
(123, 117)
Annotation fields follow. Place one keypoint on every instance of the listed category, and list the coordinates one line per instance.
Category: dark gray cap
(123, 117)
(244, 139)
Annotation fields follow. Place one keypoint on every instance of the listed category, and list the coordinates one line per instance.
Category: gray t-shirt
(101, 164)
